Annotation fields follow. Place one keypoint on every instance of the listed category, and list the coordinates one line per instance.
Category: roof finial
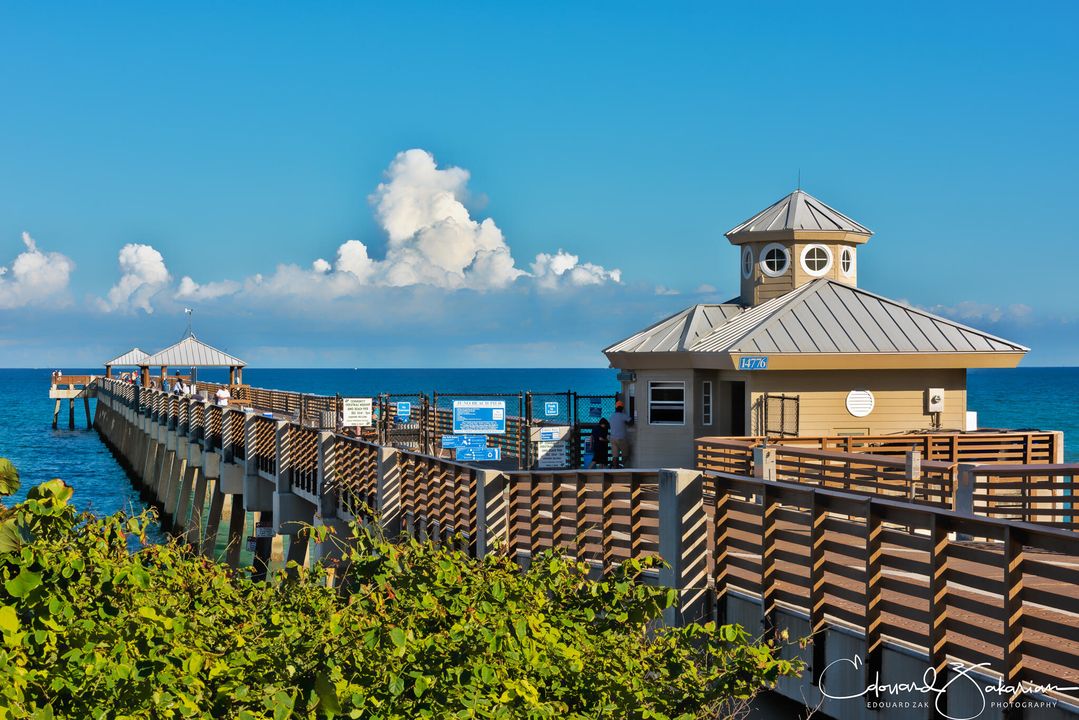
(799, 178)
(188, 311)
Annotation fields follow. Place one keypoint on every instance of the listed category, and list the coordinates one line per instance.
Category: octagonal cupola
(793, 242)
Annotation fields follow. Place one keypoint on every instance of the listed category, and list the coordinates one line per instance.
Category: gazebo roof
(132, 358)
(192, 352)
(799, 211)
(823, 317)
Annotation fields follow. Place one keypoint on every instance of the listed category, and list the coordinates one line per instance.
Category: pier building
(800, 351)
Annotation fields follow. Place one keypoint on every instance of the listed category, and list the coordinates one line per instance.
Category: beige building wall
(671, 446)
(899, 399)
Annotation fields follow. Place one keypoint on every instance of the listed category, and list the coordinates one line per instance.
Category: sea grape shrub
(92, 629)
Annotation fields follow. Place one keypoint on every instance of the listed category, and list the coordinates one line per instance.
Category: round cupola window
(816, 260)
(747, 262)
(846, 261)
(775, 259)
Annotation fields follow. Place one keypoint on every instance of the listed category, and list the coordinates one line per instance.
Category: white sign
(357, 412)
(552, 447)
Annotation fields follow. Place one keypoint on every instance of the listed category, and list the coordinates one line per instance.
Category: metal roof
(192, 352)
(679, 331)
(799, 211)
(823, 316)
(132, 357)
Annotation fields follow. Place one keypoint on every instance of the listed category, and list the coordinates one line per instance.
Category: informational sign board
(452, 442)
(472, 454)
(357, 412)
(753, 362)
(550, 409)
(264, 530)
(404, 412)
(479, 416)
(552, 447)
(252, 543)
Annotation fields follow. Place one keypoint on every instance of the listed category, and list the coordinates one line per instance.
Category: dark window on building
(666, 403)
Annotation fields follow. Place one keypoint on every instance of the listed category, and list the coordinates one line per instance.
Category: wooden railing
(72, 381)
(355, 472)
(1042, 494)
(303, 458)
(602, 517)
(1039, 492)
(841, 558)
(235, 435)
(867, 474)
(265, 443)
(990, 446)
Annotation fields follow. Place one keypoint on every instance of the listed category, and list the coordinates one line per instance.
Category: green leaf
(328, 704)
(9, 478)
(10, 537)
(9, 620)
(22, 583)
(397, 635)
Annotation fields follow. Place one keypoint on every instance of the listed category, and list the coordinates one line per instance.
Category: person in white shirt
(222, 396)
(620, 420)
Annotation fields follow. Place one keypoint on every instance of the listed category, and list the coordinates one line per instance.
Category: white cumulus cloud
(34, 276)
(431, 240)
(142, 275)
(191, 290)
(565, 269)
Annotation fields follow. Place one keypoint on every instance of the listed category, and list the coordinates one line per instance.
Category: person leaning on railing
(620, 421)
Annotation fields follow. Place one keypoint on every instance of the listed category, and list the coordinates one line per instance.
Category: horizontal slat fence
(600, 517)
(896, 570)
(1037, 492)
(983, 447)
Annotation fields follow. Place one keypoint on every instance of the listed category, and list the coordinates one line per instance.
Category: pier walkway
(904, 563)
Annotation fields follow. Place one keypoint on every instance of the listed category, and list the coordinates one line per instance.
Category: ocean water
(1043, 398)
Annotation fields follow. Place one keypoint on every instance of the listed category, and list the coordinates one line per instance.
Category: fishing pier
(909, 552)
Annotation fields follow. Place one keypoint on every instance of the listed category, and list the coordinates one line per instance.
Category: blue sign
(479, 416)
(595, 411)
(404, 411)
(452, 442)
(550, 409)
(753, 362)
(468, 454)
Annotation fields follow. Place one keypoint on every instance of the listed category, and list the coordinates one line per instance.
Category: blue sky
(242, 143)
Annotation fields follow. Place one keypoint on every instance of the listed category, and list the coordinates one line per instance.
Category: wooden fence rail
(1038, 492)
(1018, 447)
(842, 558)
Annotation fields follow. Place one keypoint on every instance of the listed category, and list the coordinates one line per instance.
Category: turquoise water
(1044, 398)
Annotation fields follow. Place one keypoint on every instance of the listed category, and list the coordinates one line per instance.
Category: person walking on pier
(222, 396)
(620, 421)
(601, 439)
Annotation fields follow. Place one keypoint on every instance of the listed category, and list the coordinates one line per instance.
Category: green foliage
(90, 628)
(9, 478)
